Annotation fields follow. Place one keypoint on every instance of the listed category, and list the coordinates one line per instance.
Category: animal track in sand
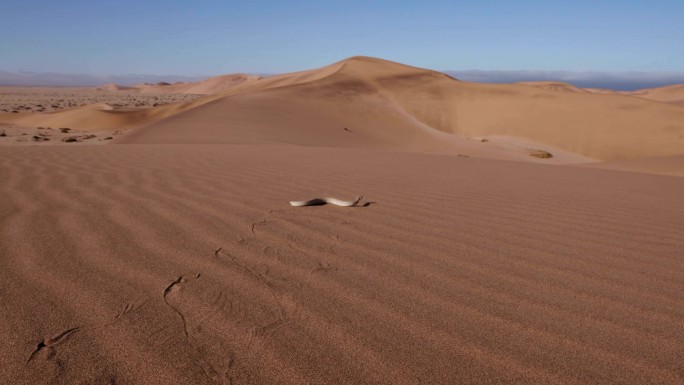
(257, 224)
(284, 283)
(127, 309)
(49, 343)
(168, 289)
(202, 363)
(281, 299)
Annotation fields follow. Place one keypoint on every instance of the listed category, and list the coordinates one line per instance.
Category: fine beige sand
(671, 94)
(664, 165)
(170, 255)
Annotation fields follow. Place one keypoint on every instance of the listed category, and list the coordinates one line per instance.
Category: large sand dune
(402, 106)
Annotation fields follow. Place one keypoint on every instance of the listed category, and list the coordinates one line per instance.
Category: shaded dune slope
(184, 264)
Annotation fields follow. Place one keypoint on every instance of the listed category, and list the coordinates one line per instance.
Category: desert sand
(671, 94)
(170, 255)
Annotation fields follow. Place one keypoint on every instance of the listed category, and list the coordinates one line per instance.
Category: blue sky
(261, 36)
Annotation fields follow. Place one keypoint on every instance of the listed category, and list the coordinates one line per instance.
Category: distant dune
(205, 87)
(555, 86)
(670, 94)
(114, 87)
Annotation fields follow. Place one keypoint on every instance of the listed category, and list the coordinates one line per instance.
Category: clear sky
(208, 37)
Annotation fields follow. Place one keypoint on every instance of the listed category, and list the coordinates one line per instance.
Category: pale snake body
(322, 201)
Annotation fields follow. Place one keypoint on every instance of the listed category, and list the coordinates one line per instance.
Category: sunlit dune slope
(669, 94)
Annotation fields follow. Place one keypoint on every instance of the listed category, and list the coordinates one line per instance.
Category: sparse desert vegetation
(11, 135)
(20, 100)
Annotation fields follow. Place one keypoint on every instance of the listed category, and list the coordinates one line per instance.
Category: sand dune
(407, 107)
(673, 94)
(602, 91)
(555, 86)
(185, 264)
(205, 87)
(670, 94)
(115, 87)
